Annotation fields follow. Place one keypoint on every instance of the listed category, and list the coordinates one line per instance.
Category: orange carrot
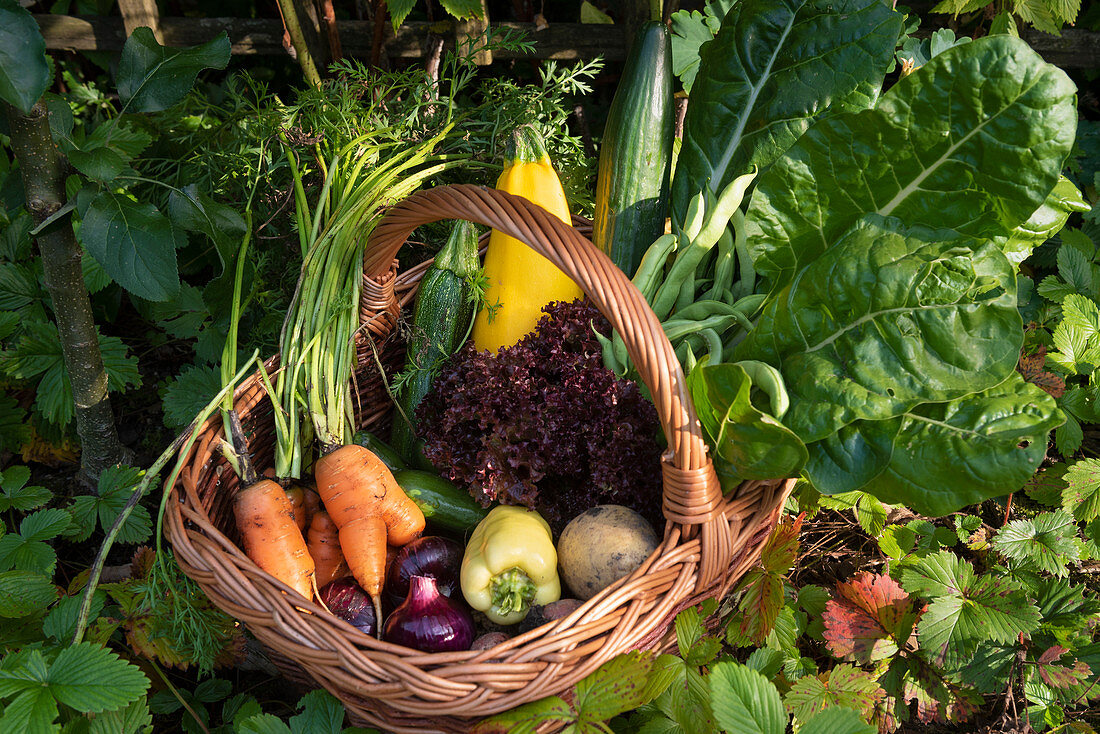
(297, 497)
(354, 483)
(363, 541)
(324, 547)
(271, 538)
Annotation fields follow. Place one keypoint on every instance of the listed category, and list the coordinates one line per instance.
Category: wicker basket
(709, 540)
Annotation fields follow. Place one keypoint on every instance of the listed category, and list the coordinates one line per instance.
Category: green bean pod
(652, 266)
(770, 380)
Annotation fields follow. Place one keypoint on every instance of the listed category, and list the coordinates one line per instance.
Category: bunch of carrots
(286, 532)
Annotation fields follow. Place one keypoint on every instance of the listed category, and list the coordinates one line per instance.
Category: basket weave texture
(709, 540)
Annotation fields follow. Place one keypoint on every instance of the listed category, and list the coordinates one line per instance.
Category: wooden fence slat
(138, 13)
(1075, 49)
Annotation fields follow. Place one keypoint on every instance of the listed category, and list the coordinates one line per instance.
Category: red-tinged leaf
(937, 699)
(845, 685)
(1060, 677)
(1032, 367)
(1052, 655)
(870, 616)
(1047, 484)
(781, 548)
(760, 604)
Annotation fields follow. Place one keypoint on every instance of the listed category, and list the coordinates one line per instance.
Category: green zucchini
(443, 503)
(632, 181)
(381, 449)
(441, 319)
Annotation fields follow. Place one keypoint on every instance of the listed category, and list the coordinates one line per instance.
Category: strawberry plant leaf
(185, 395)
(744, 701)
(844, 686)
(868, 619)
(90, 678)
(837, 720)
(23, 592)
(1045, 541)
(116, 484)
(264, 724)
(320, 713)
(615, 687)
(33, 711)
(16, 495)
(60, 623)
(133, 719)
(1048, 484)
(525, 719)
(1081, 494)
(975, 610)
(988, 670)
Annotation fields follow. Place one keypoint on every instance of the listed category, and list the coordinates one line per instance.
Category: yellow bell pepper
(510, 564)
(520, 281)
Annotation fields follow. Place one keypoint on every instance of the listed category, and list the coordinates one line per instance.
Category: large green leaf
(974, 141)
(24, 70)
(745, 702)
(747, 443)
(690, 30)
(940, 457)
(152, 77)
(1044, 222)
(134, 243)
(837, 720)
(91, 678)
(888, 318)
(22, 593)
(774, 66)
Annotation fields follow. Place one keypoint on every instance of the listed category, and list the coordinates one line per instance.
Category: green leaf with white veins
(24, 70)
(745, 701)
(152, 77)
(975, 140)
(1044, 222)
(1045, 542)
(888, 318)
(940, 457)
(772, 68)
(134, 243)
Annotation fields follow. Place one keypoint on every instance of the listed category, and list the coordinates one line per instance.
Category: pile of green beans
(688, 278)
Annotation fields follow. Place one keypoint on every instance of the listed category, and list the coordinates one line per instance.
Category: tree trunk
(43, 171)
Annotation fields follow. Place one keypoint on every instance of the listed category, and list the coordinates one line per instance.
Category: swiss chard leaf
(774, 66)
(888, 318)
(747, 442)
(1044, 222)
(947, 146)
(690, 30)
(940, 457)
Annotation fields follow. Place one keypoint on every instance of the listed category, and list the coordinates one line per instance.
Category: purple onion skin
(430, 555)
(428, 621)
(347, 600)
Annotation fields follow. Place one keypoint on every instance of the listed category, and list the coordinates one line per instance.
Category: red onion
(347, 600)
(430, 555)
(428, 621)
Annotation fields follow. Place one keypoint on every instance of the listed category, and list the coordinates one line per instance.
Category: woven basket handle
(692, 495)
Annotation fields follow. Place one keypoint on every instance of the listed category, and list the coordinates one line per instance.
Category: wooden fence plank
(1075, 49)
(138, 13)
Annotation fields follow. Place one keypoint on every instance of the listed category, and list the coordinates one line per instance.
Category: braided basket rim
(404, 690)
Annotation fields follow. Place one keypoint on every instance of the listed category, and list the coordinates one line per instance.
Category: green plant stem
(298, 40)
(181, 444)
(43, 171)
(175, 692)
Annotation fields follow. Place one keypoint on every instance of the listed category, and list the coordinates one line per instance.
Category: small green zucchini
(443, 503)
(441, 319)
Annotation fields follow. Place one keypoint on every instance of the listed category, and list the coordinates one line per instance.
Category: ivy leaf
(24, 69)
(23, 592)
(16, 494)
(965, 609)
(152, 78)
(745, 701)
(1081, 494)
(1047, 541)
(134, 243)
(845, 686)
(868, 619)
